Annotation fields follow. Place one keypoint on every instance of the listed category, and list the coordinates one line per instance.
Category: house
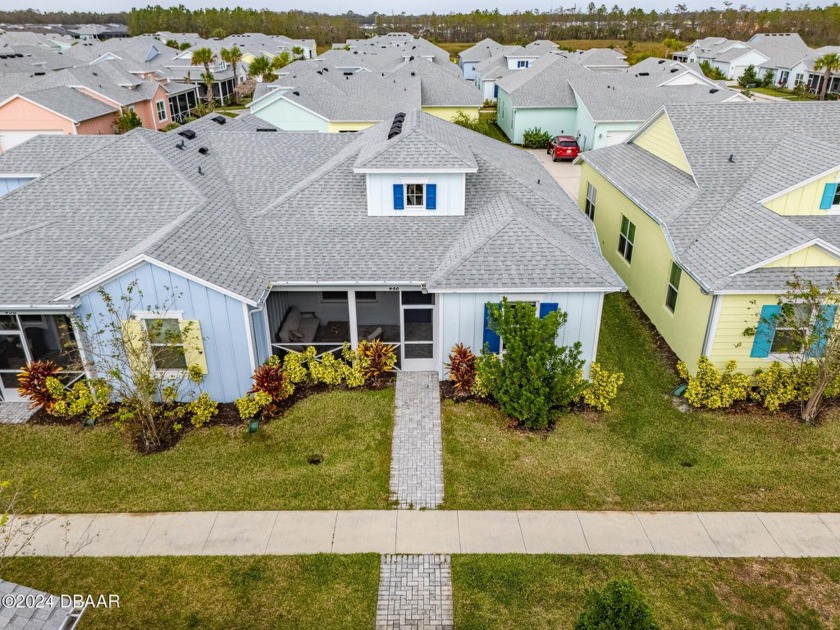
(706, 229)
(468, 59)
(269, 241)
(505, 62)
(313, 96)
(561, 95)
(730, 56)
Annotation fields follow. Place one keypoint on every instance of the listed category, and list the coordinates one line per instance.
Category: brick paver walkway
(415, 592)
(417, 453)
(15, 412)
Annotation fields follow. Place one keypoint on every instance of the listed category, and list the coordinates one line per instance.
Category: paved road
(565, 173)
(717, 534)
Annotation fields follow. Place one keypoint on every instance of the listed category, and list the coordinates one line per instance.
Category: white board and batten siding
(450, 193)
(8, 184)
(462, 320)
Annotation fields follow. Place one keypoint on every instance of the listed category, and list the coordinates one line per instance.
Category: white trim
(249, 334)
(804, 182)
(531, 290)
(157, 112)
(162, 314)
(597, 328)
(19, 175)
(353, 319)
(136, 262)
(711, 328)
(814, 242)
(409, 171)
(267, 329)
(86, 364)
(49, 308)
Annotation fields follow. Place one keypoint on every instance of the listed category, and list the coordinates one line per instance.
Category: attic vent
(221, 120)
(189, 134)
(40, 74)
(411, 58)
(318, 72)
(414, 74)
(326, 69)
(396, 126)
(204, 150)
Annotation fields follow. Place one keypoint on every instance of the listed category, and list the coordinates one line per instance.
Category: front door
(13, 356)
(417, 331)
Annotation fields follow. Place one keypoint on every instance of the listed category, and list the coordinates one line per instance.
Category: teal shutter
(431, 196)
(765, 331)
(399, 200)
(491, 340)
(824, 323)
(828, 196)
(548, 307)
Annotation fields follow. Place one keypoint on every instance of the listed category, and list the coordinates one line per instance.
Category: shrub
(271, 379)
(712, 389)
(485, 372)
(294, 365)
(128, 120)
(32, 383)
(85, 398)
(462, 369)
(602, 387)
(203, 409)
(619, 605)
(749, 78)
(711, 71)
(329, 370)
(535, 375)
(778, 386)
(535, 138)
(375, 358)
(249, 406)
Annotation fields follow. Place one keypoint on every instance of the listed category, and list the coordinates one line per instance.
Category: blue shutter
(491, 340)
(431, 196)
(824, 323)
(828, 196)
(495, 91)
(399, 200)
(765, 331)
(548, 307)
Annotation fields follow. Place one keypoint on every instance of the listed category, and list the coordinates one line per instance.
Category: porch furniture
(298, 327)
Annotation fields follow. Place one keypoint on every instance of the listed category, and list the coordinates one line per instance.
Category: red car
(563, 148)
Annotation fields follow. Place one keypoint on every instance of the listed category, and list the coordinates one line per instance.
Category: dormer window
(522, 63)
(415, 196)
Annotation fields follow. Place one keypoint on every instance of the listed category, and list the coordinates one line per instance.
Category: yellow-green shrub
(84, 398)
(295, 365)
(203, 409)
(248, 406)
(602, 388)
(711, 389)
(329, 370)
(779, 385)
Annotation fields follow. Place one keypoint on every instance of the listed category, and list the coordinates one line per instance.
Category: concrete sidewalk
(716, 534)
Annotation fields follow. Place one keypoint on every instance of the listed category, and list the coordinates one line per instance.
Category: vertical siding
(288, 116)
(450, 193)
(661, 140)
(804, 200)
(555, 120)
(463, 320)
(221, 317)
(8, 184)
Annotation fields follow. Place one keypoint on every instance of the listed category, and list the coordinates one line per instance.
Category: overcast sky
(368, 6)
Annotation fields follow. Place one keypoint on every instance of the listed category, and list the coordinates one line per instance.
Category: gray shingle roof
(482, 50)
(50, 614)
(717, 226)
(70, 103)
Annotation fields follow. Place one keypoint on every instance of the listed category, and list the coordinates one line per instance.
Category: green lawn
(221, 468)
(493, 130)
(643, 455)
(785, 95)
(300, 592)
(548, 592)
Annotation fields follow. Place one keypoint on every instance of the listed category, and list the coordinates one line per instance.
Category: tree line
(817, 25)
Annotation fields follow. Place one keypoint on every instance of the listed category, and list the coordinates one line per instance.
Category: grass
(493, 129)
(644, 454)
(301, 592)
(542, 592)
(779, 93)
(70, 469)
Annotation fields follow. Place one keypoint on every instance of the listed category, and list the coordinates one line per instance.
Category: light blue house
(259, 242)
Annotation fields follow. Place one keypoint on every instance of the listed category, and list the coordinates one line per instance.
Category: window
(626, 238)
(830, 197)
(787, 339)
(167, 344)
(333, 296)
(414, 195)
(799, 79)
(522, 63)
(783, 76)
(161, 110)
(836, 200)
(673, 287)
(589, 206)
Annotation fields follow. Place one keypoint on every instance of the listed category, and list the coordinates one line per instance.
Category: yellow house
(706, 211)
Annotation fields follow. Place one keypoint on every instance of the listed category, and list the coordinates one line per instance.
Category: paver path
(415, 592)
(417, 451)
(15, 412)
(715, 534)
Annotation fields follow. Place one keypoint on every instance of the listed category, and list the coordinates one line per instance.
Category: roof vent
(204, 150)
(732, 158)
(189, 134)
(40, 74)
(661, 61)
(296, 93)
(180, 145)
(265, 129)
(643, 74)
(396, 126)
(673, 70)
(414, 74)
(713, 90)
(318, 72)
(219, 120)
(326, 69)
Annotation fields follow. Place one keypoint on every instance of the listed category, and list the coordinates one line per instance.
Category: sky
(383, 6)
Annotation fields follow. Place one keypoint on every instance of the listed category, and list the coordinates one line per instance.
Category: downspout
(711, 324)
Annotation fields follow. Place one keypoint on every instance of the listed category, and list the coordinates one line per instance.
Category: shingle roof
(482, 50)
(717, 225)
(262, 201)
(70, 103)
(48, 614)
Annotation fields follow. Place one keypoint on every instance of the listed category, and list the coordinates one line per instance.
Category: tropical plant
(281, 61)
(128, 120)
(710, 388)
(618, 605)
(261, 69)
(233, 56)
(376, 359)
(32, 383)
(297, 51)
(535, 138)
(218, 33)
(462, 369)
(272, 380)
(671, 44)
(204, 57)
(712, 72)
(829, 63)
(250, 405)
(534, 375)
(172, 43)
(602, 387)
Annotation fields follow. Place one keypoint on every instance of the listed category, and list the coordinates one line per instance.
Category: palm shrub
(535, 374)
(462, 369)
(32, 383)
(619, 605)
(535, 138)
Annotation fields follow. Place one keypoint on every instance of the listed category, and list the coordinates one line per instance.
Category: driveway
(564, 173)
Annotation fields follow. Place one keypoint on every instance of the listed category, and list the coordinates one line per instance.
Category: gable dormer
(410, 170)
(818, 196)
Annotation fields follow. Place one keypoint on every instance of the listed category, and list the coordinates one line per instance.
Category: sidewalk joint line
(209, 531)
(521, 533)
(146, 535)
(705, 529)
(271, 531)
(335, 526)
(769, 533)
(642, 525)
(830, 531)
(583, 532)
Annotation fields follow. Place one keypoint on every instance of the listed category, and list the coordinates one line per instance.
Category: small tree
(619, 605)
(233, 56)
(749, 77)
(145, 363)
(204, 57)
(535, 374)
(803, 332)
(629, 51)
(535, 138)
(828, 63)
(261, 69)
(297, 51)
(218, 33)
(128, 120)
(671, 44)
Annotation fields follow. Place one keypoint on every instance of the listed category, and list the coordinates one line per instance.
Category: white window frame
(143, 317)
(408, 204)
(591, 198)
(629, 244)
(786, 356)
(161, 110)
(671, 287)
